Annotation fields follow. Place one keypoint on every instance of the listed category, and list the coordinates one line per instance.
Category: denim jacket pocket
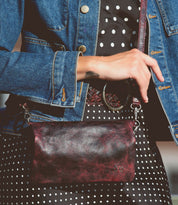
(54, 13)
(169, 16)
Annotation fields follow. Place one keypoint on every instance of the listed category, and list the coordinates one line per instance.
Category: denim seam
(99, 9)
(35, 39)
(51, 29)
(162, 11)
(165, 19)
(40, 42)
(171, 34)
(85, 103)
(53, 70)
(9, 131)
(39, 117)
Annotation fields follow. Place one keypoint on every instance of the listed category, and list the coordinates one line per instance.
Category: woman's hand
(130, 64)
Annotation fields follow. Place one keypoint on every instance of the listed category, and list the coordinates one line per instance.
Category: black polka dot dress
(118, 26)
(117, 33)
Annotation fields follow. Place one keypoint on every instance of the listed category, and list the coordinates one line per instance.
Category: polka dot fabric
(118, 26)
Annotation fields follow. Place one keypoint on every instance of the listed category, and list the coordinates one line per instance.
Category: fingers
(143, 75)
(142, 78)
(130, 64)
(152, 63)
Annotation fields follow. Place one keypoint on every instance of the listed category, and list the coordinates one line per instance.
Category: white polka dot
(106, 20)
(107, 7)
(123, 31)
(101, 45)
(117, 7)
(112, 44)
(123, 45)
(113, 31)
(103, 31)
(129, 8)
(114, 18)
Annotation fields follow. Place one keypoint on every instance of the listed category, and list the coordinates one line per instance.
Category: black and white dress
(117, 33)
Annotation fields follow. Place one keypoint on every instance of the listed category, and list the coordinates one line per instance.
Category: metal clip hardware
(136, 107)
(26, 112)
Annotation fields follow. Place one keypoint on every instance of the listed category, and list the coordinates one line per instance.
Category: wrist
(87, 67)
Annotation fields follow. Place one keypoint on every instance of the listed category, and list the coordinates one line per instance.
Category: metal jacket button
(84, 9)
(82, 48)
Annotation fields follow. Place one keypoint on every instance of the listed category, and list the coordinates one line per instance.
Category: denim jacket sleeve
(46, 78)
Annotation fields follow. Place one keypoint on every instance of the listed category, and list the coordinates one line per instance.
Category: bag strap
(142, 26)
(136, 105)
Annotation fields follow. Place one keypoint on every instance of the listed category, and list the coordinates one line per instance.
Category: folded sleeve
(41, 77)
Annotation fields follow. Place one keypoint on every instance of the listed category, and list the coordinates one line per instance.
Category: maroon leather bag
(69, 152)
(78, 152)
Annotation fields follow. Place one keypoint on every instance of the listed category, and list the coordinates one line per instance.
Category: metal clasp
(136, 107)
(26, 112)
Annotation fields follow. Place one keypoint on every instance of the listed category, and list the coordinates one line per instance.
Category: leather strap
(142, 26)
(136, 105)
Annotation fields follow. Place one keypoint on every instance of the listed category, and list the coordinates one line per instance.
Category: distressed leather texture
(78, 152)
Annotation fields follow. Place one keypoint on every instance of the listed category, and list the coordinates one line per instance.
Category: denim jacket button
(82, 48)
(84, 9)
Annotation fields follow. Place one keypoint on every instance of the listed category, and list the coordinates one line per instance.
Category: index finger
(152, 63)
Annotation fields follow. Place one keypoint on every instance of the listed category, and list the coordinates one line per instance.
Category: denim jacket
(55, 33)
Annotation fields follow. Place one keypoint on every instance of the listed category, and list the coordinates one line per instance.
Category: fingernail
(146, 100)
(162, 78)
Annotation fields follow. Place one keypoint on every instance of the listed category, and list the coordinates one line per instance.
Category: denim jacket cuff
(64, 78)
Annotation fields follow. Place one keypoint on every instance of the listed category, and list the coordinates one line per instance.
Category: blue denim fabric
(52, 31)
(163, 46)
